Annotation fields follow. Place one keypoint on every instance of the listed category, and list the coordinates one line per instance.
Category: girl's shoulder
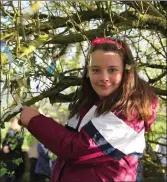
(134, 123)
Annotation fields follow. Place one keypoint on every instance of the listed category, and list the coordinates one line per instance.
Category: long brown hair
(134, 97)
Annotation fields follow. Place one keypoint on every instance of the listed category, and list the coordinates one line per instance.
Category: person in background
(162, 154)
(12, 148)
(32, 156)
(139, 177)
(105, 134)
(43, 168)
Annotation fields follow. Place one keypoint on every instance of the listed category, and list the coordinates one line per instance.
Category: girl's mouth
(105, 86)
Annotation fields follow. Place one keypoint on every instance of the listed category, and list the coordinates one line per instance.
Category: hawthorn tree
(48, 43)
(44, 45)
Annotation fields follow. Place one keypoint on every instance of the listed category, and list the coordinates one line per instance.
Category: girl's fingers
(19, 122)
(24, 107)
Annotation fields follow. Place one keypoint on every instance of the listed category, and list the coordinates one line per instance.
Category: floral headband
(102, 40)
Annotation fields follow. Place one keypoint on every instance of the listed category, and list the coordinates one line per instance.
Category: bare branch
(62, 85)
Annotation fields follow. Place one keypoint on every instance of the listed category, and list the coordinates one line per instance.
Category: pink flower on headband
(102, 40)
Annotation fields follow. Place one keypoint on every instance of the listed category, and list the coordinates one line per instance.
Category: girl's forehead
(105, 54)
(102, 57)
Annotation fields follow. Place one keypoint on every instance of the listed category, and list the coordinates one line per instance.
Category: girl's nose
(104, 77)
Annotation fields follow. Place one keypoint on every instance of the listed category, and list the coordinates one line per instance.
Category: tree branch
(158, 77)
(156, 66)
(159, 91)
(143, 7)
(61, 98)
(158, 143)
(62, 85)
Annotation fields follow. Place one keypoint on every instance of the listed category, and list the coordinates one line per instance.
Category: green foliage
(33, 45)
(158, 130)
(3, 169)
(153, 171)
(17, 161)
(28, 140)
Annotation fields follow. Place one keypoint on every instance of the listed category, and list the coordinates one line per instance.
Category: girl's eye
(95, 70)
(112, 70)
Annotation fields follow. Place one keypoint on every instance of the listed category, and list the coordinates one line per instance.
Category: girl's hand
(26, 114)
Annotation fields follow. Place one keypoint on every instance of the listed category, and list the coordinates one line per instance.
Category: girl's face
(105, 71)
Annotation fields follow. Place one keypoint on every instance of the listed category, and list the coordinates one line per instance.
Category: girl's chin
(101, 96)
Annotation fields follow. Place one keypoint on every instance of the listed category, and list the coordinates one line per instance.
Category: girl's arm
(66, 144)
(105, 135)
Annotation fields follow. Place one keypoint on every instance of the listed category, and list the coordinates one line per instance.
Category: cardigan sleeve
(66, 144)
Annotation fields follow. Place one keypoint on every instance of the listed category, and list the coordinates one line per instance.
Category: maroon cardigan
(80, 159)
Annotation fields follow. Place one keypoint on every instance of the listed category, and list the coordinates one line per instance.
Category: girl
(104, 136)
